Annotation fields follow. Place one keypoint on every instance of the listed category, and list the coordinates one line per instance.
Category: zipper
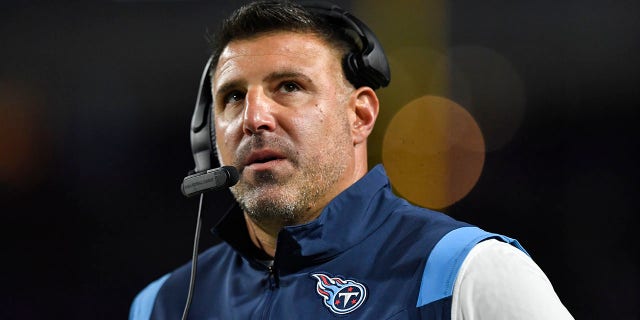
(274, 280)
(274, 284)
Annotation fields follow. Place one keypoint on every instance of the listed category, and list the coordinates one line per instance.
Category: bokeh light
(433, 151)
(20, 134)
(479, 88)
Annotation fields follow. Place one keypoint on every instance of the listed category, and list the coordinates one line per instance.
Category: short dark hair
(262, 17)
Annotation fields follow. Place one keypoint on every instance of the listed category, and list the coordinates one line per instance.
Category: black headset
(368, 66)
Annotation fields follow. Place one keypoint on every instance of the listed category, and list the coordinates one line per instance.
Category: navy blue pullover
(364, 257)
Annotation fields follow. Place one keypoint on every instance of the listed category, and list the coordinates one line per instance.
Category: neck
(264, 234)
(263, 237)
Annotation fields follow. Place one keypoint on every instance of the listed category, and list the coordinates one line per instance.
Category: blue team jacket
(369, 255)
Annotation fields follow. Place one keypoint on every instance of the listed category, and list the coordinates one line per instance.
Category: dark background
(96, 99)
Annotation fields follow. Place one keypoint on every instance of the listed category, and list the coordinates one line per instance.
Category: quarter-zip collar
(347, 220)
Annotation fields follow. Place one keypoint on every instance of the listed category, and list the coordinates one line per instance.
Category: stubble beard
(287, 200)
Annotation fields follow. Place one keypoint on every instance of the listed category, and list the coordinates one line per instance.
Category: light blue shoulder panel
(446, 258)
(143, 303)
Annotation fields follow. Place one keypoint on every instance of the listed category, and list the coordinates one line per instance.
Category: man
(315, 234)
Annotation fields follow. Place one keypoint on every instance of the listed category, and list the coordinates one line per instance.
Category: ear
(366, 107)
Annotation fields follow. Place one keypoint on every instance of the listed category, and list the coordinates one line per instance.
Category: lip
(263, 159)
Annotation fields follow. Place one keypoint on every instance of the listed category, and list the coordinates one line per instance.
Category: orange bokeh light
(433, 151)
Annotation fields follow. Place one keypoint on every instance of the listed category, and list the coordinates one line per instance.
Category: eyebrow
(273, 76)
(278, 75)
(226, 87)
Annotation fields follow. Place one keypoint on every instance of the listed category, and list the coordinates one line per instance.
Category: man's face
(282, 117)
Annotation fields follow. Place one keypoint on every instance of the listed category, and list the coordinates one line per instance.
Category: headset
(367, 66)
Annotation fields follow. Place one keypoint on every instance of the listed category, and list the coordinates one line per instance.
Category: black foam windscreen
(366, 66)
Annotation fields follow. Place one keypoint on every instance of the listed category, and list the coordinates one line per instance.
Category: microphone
(210, 180)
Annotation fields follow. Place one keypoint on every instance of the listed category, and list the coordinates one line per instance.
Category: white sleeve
(498, 281)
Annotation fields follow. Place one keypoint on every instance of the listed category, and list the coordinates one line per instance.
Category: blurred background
(519, 117)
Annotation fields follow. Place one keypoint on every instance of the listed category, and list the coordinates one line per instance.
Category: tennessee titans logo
(341, 296)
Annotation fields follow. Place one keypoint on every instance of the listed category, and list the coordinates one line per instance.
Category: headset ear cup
(201, 128)
(350, 67)
(212, 133)
(367, 66)
(361, 72)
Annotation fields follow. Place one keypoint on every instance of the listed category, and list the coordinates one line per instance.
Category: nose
(258, 112)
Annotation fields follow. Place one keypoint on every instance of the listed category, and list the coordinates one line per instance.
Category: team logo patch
(341, 296)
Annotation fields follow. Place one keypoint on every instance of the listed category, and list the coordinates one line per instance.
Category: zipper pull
(274, 281)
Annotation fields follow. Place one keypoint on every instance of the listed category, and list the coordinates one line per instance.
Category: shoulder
(446, 258)
(498, 281)
(171, 289)
(143, 302)
(427, 221)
